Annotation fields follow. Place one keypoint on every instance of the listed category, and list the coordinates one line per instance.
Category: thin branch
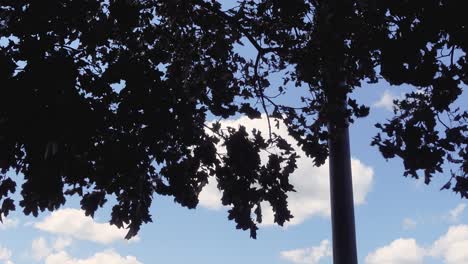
(451, 55)
(215, 132)
(76, 51)
(259, 91)
(438, 118)
(235, 22)
(261, 51)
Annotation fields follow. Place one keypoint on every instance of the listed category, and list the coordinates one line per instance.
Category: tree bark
(332, 19)
(341, 196)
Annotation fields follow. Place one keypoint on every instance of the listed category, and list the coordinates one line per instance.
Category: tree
(66, 128)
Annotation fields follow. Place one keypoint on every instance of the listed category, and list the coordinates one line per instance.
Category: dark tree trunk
(341, 196)
(332, 24)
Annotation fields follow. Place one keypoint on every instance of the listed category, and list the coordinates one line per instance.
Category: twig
(215, 132)
(76, 51)
(451, 55)
(235, 22)
(259, 91)
(438, 118)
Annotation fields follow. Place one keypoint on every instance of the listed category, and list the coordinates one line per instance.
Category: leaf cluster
(66, 127)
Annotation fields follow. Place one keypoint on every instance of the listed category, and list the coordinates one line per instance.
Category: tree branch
(235, 22)
(259, 91)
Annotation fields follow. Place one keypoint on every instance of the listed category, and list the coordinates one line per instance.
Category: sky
(398, 220)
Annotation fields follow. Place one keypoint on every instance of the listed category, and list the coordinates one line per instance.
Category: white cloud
(400, 251)
(455, 213)
(386, 101)
(74, 223)
(40, 248)
(5, 255)
(61, 243)
(55, 254)
(310, 255)
(409, 223)
(108, 257)
(452, 246)
(8, 223)
(311, 183)
(210, 197)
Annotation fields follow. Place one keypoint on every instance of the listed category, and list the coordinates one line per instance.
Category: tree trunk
(332, 26)
(341, 196)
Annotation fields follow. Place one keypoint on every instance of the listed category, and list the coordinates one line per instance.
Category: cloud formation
(312, 255)
(74, 223)
(386, 101)
(108, 257)
(400, 251)
(40, 249)
(450, 248)
(5, 255)
(8, 223)
(311, 183)
(55, 253)
(455, 213)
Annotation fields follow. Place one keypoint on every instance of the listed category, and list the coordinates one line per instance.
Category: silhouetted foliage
(64, 126)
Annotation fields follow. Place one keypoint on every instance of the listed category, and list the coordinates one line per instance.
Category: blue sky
(398, 220)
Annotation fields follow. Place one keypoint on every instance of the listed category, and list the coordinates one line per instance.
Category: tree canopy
(69, 131)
